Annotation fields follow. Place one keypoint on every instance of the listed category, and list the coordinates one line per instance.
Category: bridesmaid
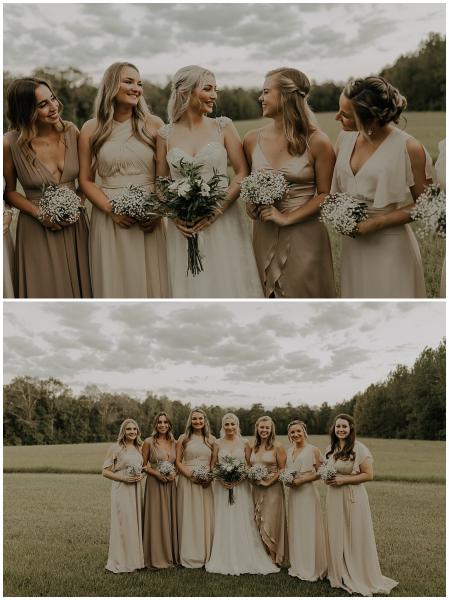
(160, 526)
(8, 254)
(41, 149)
(195, 499)
(306, 541)
(268, 494)
(127, 259)
(383, 260)
(353, 564)
(440, 170)
(291, 245)
(125, 541)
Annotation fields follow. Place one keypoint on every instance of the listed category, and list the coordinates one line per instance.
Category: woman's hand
(271, 213)
(122, 220)
(337, 481)
(171, 477)
(132, 478)
(187, 229)
(252, 211)
(365, 227)
(45, 222)
(296, 482)
(150, 225)
(161, 478)
(207, 221)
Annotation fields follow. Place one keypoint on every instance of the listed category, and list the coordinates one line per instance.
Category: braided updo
(374, 98)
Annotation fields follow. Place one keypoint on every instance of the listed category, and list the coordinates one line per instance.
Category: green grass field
(56, 528)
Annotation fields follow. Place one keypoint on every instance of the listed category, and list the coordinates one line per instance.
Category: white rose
(205, 189)
(184, 189)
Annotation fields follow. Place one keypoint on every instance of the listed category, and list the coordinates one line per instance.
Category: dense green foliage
(409, 404)
(420, 76)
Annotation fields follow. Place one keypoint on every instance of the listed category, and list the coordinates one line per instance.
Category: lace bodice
(236, 450)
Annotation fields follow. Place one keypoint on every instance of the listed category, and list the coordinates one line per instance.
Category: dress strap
(164, 132)
(222, 123)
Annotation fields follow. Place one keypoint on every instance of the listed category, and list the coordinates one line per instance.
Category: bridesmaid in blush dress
(125, 541)
(268, 494)
(353, 564)
(195, 497)
(307, 546)
(378, 164)
(51, 260)
(160, 524)
(291, 245)
(128, 260)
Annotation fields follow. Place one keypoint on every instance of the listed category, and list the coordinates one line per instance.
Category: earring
(370, 132)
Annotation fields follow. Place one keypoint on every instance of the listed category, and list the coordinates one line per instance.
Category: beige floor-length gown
(195, 509)
(126, 263)
(49, 264)
(385, 263)
(440, 169)
(269, 509)
(125, 540)
(353, 564)
(160, 521)
(294, 261)
(306, 541)
(8, 261)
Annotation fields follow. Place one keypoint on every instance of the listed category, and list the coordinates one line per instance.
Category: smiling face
(131, 432)
(130, 88)
(296, 434)
(264, 429)
(198, 421)
(163, 426)
(270, 98)
(346, 114)
(230, 427)
(204, 96)
(342, 429)
(47, 106)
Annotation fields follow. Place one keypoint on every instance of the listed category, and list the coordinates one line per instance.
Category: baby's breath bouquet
(430, 210)
(137, 203)
(263, 188)
(202, 473)
(343, 213)
(257, 473)
(165, 467)
(230, 470)
(287, 476)
(190, 199)
(134, 470)
(59, 204)
(327, 471)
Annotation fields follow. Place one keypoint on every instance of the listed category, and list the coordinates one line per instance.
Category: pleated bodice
(196, 452)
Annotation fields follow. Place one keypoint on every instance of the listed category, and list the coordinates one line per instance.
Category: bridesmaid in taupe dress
(291, 245)
(160, 523)
(268, 494)
(51, 259)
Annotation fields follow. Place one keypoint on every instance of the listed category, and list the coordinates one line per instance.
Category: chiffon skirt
(8, 265)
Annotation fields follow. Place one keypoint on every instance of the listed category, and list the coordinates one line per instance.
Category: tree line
(419, 75)
(410, 404)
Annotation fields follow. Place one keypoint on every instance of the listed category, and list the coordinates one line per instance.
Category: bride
(236, 547)
(224, 239)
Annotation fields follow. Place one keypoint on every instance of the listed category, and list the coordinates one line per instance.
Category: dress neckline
(42, 164)
(194, 156)
(356, 137)
(270, 163)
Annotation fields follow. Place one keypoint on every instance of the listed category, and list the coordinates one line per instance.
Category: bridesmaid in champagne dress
(378, 163)
(125, 541)
(160, 523)
(268, 494)
(291, 245)
(353, 564)
(51, 259)
(440, 169)
(224, 239)
(195, 498)
(127, 259)
(306, 541)
(8, 254)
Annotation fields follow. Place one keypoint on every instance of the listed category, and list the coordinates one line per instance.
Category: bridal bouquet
(134, 470)
(327, 471)
(343, 213)
(430, 209)
(165, 467)
(137, 203)
(59, 204)
(191, 199)
(230, 470)
(263, 188)
(257, 473)
(287, 476)
(202, 473)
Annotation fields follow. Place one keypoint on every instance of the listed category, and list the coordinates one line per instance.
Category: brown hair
(271, 438)
(155, 433)
(347, 453)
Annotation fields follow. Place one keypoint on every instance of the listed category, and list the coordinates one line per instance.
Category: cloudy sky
(240, 42)
(231, 354)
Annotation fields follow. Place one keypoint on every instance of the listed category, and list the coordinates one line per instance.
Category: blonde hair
(297, 422)
(104, 111)
(234, 418)
(185, 80)
(189, 428)
(298, 120)
(122, 434)
(271, 438)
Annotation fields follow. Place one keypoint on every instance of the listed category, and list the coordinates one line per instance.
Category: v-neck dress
(294, 261)
(49, 264)
(385, 263)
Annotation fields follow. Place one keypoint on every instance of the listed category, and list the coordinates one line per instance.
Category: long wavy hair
(185, 80)
(155, 434)
(347, 452)
(374, 99)
(298, 120)
(269, 444)
(297, 422)
(234, 418)
(22, 109)
(122, 434)
(206, 433)
(104, 112)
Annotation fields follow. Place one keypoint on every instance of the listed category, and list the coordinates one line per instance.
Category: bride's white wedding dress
(236, 547)
(230, 269)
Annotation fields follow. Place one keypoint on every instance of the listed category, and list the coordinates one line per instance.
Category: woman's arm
(281, 459)
(324, 157)
(146, 451)
(179, 456)
(87, 177)
(109, 474)
(249, 142)
(153, 124)
(366, 474)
